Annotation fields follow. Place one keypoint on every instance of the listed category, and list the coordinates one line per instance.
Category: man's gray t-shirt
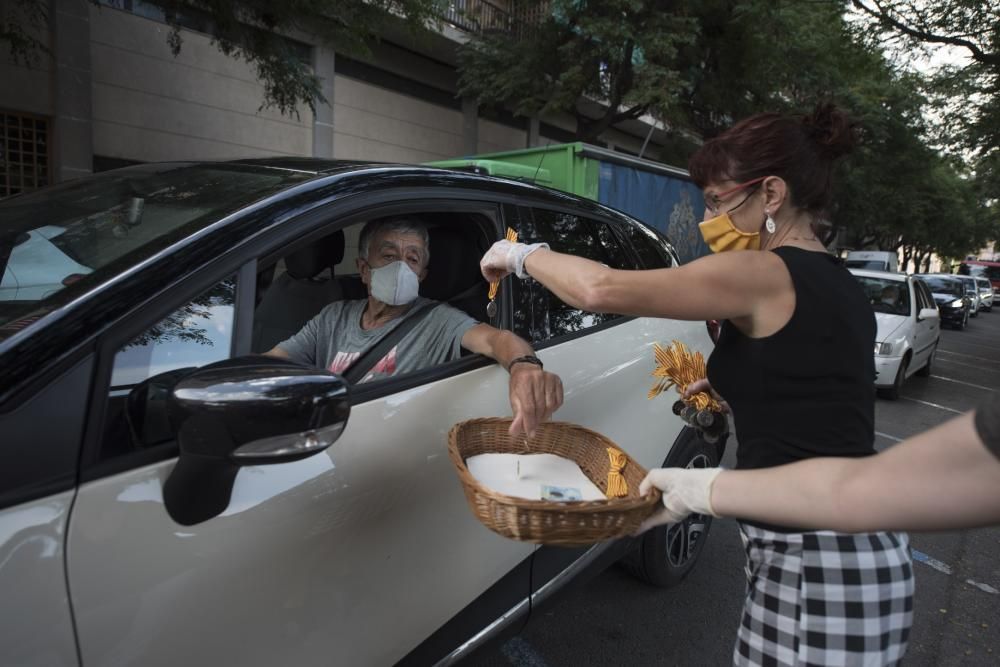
(334, 339)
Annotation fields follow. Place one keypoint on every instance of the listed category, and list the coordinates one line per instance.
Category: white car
(909, 327)
(986, 294)
(167, 497)
(38, 266)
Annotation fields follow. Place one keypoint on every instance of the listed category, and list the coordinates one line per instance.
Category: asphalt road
(616, 620)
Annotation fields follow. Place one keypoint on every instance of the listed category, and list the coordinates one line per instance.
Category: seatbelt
(356, 371)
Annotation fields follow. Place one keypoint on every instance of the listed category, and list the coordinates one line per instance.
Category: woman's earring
(769, 223)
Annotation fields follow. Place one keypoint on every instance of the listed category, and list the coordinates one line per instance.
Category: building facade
(111, 93)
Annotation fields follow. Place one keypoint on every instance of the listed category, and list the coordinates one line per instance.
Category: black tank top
(807, 390)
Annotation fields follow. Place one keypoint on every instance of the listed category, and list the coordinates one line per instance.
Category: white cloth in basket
(499, 472)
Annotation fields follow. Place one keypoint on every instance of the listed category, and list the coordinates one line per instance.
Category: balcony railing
(481, 17)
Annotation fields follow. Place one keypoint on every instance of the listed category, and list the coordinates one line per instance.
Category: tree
(255, 31)
(620, 53)
(967, 96)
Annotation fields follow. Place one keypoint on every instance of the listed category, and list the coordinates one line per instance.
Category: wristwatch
(527, 359)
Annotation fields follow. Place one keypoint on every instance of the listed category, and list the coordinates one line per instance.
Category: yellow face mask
(722, 235)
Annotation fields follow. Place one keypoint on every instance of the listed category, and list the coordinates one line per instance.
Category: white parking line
(944, 568)
(967, 384)
(888, 437)
(959, 363)
(967, 356)
(933, 405)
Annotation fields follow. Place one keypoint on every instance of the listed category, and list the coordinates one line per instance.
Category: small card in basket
(561, 493)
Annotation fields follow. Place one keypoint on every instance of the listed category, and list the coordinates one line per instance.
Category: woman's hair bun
(831, 130)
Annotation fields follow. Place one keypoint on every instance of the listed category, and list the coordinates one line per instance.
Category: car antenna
(534, 179)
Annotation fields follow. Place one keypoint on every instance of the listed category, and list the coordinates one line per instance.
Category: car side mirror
(252, 410)
(928, 314)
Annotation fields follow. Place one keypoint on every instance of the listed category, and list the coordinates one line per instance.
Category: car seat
(299, 294)
(453, 273)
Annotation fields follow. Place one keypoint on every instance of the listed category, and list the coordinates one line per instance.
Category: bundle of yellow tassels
(617, 486)
(678, 366)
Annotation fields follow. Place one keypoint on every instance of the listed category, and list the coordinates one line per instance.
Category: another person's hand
(685, 491)
(534, 395)
(505, 258)
(701, 385)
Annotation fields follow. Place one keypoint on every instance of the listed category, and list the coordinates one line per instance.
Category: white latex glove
(504, 258)
(685, 491)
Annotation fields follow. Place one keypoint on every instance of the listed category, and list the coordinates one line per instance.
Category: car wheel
(892, 393)
(925, 370)
(667, 554)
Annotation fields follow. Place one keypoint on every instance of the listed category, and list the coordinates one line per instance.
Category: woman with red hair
(794, 363)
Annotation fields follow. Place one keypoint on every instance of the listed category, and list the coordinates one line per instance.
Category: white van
(873, 260)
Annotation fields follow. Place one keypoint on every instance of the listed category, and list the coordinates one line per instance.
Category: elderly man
(393, 258)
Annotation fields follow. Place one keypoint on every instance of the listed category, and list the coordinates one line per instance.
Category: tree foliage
(620, 52)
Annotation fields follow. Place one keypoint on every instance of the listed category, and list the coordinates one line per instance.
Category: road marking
(933, 405)
(967, 356)
(959, 363)
(983, 587)
(888, 437)
(967, 384)
(520, 654)
(921, 557)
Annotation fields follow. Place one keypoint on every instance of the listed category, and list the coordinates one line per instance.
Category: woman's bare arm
(941, 479)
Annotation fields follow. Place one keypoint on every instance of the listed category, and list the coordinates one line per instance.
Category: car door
(351, 556)
(926, 330)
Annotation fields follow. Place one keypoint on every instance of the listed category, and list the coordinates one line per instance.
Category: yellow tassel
(676, 366)
(494, 286)
(617, 486)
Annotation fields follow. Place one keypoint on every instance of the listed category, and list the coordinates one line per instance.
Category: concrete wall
(149, 105)
(374, 123)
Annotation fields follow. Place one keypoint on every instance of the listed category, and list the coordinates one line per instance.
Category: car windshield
(886, 295)
(64, 239)
(944, 285)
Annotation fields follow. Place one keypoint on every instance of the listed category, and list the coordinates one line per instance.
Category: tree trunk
(927, 264)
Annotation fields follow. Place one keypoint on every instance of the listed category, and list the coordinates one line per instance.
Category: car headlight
(883, 349)
(958, 303)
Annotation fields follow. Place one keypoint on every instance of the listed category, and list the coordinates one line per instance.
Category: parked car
(985, 293)
(949, 295)
(167, 497)
(972, 291)
(982, 268)
(908, 327)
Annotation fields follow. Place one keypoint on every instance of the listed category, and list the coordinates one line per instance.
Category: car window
(886, 295)
(539, 315)
(76, 235)
(869, 264)
(924, 299)
(145, 368)
(944, 285)
(651, 248)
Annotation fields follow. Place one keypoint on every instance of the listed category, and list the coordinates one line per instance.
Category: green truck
(661, 196)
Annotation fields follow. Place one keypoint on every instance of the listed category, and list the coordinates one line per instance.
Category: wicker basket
(575, 523)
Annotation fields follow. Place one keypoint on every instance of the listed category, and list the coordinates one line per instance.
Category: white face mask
(395, 284)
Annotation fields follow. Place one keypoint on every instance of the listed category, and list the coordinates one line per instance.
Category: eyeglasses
(714, 202)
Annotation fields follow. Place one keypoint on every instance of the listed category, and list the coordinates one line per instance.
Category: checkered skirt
(825, 598)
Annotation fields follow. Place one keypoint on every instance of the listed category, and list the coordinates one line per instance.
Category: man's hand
(534, 395)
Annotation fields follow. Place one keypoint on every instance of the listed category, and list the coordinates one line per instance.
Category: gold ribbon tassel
(678, 366)
(617, 486)
(495, 285)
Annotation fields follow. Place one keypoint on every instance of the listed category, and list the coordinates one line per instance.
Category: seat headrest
(311, 260)
(454, 264)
